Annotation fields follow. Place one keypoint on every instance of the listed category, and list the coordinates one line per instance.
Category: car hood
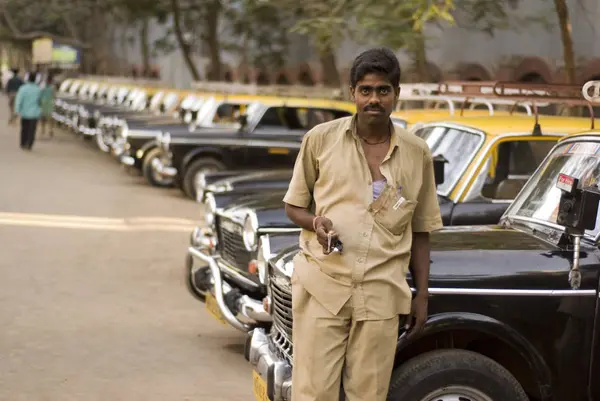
(487, 257)
(260, 177)
(269, 210)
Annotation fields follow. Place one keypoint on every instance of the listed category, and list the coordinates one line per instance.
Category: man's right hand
(324, 229)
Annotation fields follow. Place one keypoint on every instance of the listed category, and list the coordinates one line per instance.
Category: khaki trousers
(329, 349)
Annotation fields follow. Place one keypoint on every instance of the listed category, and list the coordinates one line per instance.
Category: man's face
(375, 98)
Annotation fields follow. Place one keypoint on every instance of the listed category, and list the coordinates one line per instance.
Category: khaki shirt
(331, 177)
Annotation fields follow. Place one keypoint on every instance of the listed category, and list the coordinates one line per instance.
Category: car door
(268, 141)
(501, 176)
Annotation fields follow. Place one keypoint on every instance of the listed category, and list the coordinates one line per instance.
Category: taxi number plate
(260, 387)
(213, 308)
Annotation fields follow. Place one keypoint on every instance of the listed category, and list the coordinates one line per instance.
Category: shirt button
(365, 234)
(360, 260)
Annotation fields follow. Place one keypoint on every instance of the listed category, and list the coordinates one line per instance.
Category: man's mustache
(374, 108)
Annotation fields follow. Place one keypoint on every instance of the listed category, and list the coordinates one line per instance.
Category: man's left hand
(418, 314)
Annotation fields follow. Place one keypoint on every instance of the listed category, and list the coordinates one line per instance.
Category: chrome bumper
(88, 131)
(118, 148)
(250, 311)
(161, 169)
(272, 368)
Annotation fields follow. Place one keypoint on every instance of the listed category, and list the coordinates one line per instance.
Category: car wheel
(150, 174)
(193, 171)
(451, 375)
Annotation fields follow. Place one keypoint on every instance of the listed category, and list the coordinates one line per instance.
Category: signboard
(566, 183)
(42, 51)
(64, 55)
(46, 51)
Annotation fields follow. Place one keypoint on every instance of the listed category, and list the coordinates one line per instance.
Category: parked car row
(514, 306)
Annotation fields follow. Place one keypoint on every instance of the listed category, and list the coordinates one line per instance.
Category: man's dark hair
(15, 71)
(31, 77)
(376, 61)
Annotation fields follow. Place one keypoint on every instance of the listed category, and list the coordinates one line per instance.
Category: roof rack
(450, 101)
(538, 95)
(594, 97)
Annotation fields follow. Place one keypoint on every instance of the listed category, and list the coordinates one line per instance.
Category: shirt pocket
(395, 217)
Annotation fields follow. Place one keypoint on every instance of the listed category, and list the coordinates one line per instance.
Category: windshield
(170, 100)
(156, 99)
(207, 110)
(254, 113)
(458, 147)
(540, 197)
(187, 102)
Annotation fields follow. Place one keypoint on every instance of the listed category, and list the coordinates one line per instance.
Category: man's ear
(352, 93)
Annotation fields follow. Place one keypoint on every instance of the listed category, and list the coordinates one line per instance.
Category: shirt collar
(394, 140)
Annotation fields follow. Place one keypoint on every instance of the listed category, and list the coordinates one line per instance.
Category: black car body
(268, 138)
(137, 144)
(515, 303)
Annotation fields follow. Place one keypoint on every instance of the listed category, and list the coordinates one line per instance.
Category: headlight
(210, 208)
(250, 233)
(123, 132)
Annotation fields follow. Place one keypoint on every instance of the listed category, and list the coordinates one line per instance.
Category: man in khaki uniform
(369, 184)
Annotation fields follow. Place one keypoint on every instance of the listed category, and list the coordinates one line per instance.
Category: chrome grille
(231, 244)
(282, 317)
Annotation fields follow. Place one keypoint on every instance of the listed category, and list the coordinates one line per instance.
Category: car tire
(453, 374)
(203, 164)
(149, 173)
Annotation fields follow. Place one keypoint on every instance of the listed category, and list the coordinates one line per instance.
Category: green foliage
(259, 32)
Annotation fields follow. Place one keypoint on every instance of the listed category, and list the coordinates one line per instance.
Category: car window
(271, 118)
(508, 168)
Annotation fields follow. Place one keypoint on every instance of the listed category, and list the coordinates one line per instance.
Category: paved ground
(92, 301)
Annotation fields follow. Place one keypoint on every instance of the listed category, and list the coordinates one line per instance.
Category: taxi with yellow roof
(267, 136)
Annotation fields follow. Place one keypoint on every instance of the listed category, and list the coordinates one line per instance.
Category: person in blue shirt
(27, 105)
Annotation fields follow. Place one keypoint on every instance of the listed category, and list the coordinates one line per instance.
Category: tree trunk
(331, 75)
(419, 52)
(185, 47)
(145, 47)
(212, 39)
(562, 12)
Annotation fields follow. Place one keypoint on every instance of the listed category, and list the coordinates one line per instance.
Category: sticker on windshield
(583, 148)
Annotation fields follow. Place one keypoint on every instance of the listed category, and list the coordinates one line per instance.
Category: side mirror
(577, 211)
(439, 164)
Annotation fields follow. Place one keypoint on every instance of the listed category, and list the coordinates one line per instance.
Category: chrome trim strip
(511, 292)
(278, 230)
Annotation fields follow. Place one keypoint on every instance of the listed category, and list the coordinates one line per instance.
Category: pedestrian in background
(27, 105)
(47, 106)
(12, 86)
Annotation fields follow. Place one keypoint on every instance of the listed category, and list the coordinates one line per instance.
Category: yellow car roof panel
(499, 125)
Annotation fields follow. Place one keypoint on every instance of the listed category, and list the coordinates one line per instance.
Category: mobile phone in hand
(334, 244)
